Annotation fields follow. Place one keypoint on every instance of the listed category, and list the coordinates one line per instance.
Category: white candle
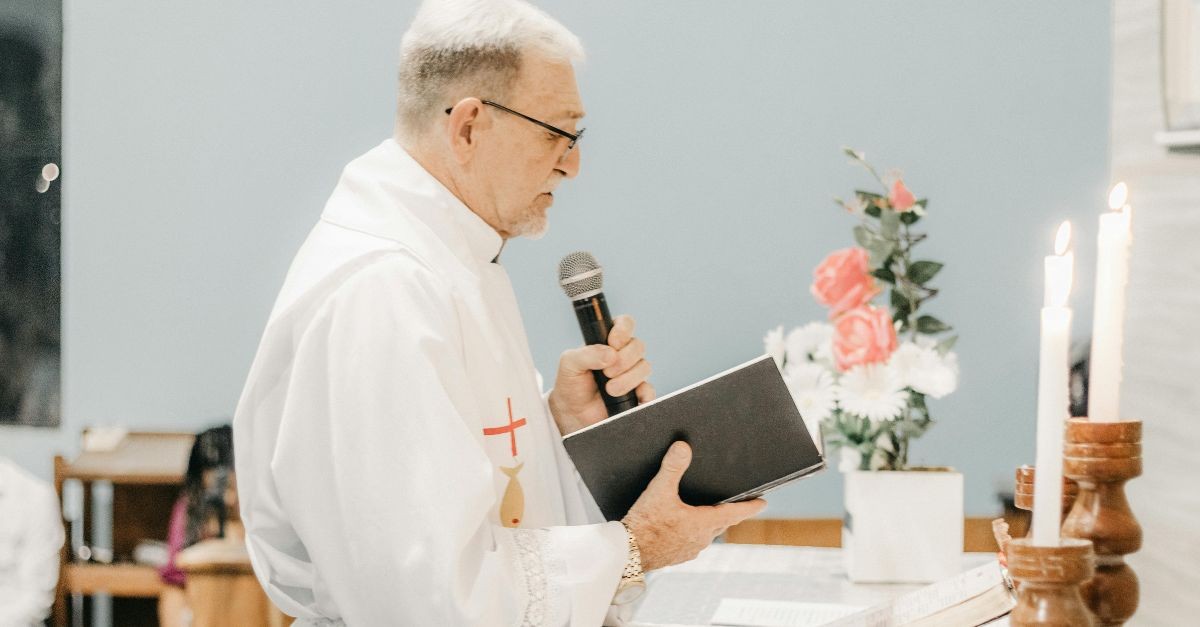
(1112, 273)
(1053, 389)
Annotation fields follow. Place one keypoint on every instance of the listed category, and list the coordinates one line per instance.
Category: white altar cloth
(690, 593)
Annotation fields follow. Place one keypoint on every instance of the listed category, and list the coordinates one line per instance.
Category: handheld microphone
(582, 278)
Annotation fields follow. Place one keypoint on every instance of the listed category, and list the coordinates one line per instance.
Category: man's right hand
(669, 531)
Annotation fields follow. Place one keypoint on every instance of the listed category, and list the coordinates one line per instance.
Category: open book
(975, 597)
(746, 435)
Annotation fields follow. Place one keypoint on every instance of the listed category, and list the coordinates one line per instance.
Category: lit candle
(1112, 273)
(1053, 389)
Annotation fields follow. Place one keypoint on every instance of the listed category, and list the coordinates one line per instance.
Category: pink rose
(864, 335)
(841, 282)
(900, 198)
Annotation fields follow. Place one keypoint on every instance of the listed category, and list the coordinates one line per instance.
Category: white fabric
(370, 493)
(31, 534)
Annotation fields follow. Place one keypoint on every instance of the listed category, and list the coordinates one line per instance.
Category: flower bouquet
(864, 376)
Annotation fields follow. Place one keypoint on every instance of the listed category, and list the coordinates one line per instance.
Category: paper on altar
(759, 613)
(690, 593)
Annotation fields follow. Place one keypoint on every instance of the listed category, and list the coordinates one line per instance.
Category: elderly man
(398, 462)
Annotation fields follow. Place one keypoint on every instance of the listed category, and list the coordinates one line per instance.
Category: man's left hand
(575, 401)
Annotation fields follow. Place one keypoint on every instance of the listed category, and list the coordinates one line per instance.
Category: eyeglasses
(573, 137)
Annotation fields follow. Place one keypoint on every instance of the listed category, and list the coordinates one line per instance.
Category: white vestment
(397, 463)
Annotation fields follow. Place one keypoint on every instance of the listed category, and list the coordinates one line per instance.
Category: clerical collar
(484, 242)
(388, 194)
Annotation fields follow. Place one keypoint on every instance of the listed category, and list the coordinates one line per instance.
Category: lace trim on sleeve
(531, 553)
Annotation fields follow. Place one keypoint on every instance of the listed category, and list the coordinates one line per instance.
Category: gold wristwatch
(633, 580)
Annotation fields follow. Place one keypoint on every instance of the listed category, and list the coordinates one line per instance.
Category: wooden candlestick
(1023, 494)
(1049, 580)
(1101, 457)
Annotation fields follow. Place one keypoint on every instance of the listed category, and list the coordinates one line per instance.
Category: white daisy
(920, 367)
(824, 353)
(940, 377)
(805, 341)
(905, 360)
(813, 390)
(872, 391)
(774, 345)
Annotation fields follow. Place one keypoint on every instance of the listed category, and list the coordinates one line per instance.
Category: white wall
(1162, 350)
(202, 139)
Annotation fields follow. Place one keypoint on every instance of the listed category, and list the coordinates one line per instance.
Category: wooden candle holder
(1049, 580)
(1101, 457)
(1023, 495)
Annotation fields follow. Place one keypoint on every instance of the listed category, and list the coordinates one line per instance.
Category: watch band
(633, 579)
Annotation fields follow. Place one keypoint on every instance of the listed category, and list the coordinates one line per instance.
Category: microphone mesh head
(579, 273)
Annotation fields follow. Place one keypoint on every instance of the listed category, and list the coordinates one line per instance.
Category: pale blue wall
(201, 140)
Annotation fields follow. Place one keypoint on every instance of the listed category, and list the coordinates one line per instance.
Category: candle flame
(1118, 196)
(1063, 238)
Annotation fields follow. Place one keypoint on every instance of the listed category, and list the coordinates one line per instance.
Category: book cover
(745, 431)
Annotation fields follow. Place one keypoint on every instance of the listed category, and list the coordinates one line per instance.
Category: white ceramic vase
(903, 526)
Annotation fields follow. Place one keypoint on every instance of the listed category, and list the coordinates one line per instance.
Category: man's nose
(569, 163)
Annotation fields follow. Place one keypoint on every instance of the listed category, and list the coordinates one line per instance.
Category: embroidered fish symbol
(512, 505)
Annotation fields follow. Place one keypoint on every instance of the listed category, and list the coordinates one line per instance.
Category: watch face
(629, 591)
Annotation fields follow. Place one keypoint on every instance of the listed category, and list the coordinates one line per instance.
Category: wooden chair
(146, 471)
(221, 587)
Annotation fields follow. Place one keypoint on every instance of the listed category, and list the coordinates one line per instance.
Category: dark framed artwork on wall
(30, 211)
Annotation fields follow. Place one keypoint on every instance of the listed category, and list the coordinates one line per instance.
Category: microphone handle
(595, 322)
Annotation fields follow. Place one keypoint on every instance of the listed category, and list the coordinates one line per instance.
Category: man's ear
(465, 127)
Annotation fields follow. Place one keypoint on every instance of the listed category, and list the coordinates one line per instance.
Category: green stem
(875, 174)
(906, 245)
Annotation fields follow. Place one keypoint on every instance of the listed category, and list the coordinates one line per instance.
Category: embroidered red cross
(510, 428)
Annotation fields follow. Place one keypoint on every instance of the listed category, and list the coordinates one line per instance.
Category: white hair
(460, 48)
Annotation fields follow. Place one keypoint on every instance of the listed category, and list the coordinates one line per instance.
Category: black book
(746, 434)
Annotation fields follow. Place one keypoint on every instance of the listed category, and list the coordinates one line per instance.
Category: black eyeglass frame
(573, 137)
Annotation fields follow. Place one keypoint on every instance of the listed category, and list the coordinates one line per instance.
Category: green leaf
(883, 274)
(910, 429)
(889, 224)
(946, 345)
(864, 237)
(931, 325)
(901, 306)
(909, 217)
(920, 272)
(872, 210)
(880, 251)
(869, 196)
(879, 460)
(916, 399)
